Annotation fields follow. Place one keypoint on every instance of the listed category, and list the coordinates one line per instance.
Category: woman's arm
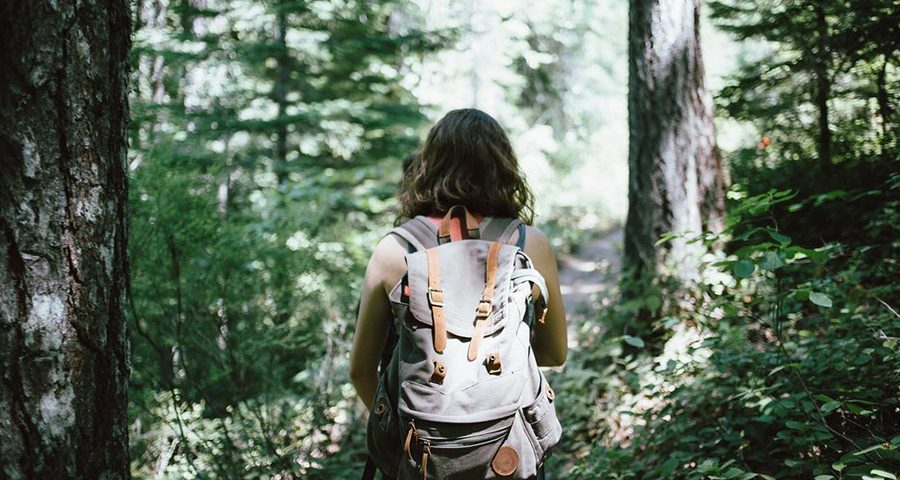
(373, 322)
(549, 342)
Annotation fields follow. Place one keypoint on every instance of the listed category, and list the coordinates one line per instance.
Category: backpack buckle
(484, 309)
(436, 297)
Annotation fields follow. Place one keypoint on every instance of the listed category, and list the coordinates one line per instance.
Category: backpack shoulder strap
(421, 234)
(418, 232)
(492, 227)
(520, 242)
(502, 228)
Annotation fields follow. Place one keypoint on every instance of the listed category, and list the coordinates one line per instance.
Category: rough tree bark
(63, 260)
(676, 177)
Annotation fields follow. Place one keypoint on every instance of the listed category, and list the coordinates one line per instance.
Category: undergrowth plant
(787, 365)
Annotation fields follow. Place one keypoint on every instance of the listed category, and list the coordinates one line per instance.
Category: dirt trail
(587, 276)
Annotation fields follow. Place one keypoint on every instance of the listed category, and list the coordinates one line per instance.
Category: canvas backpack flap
(470, 390)
(462, 277)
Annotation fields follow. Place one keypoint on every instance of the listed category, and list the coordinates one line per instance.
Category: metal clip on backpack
(462, 396)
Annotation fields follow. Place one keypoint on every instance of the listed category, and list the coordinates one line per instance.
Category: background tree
(267, 140)
(794, 325)
(64, 268)
(819, 92)
(676, 175)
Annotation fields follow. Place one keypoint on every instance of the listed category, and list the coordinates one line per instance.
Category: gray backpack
(462, 396)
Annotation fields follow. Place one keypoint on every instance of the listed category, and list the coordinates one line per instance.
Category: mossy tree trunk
(63, 230)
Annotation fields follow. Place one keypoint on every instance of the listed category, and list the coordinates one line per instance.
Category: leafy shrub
(787, 366)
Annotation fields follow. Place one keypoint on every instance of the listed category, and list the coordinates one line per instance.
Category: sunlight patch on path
(588, 276)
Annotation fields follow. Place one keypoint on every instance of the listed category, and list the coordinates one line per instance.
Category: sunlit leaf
(820, 299)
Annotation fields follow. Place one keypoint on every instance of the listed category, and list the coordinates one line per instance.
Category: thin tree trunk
(885, 112)
(823, 88)
(676, 176)
(280, 93)
(63, 230)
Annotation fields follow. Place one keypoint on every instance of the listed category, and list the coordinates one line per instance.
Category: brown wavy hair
(467, 160)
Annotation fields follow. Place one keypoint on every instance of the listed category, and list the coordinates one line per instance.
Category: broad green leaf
(771, 261)
(820, 299)
(633, 341)
(883, 474)
(743, 268)
(801, 294)
(798, 253)
(779, 237)
(653, 302)
(795, 425)
(733, 472)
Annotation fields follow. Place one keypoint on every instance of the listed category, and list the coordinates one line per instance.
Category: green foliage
(264, 161)
(263, 165)
(788, 365)
(843, 50)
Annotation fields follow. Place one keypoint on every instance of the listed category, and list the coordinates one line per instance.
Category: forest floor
(587, 278)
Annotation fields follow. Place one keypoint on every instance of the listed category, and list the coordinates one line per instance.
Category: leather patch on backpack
(492, 361)
(506, 461)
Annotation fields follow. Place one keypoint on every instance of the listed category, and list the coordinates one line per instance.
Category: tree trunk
(280, 94)
(885, 111)
(676, 177)
(63, 266)
(823, 87)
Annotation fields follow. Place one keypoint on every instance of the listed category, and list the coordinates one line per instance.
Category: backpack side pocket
(542, 421)
(383, 432)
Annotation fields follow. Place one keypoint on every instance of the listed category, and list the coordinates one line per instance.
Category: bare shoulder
(387, 263)
(537, 244)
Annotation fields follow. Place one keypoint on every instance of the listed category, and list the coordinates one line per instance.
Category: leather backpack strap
(485, 305)
(436, 300)
(468, 225)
